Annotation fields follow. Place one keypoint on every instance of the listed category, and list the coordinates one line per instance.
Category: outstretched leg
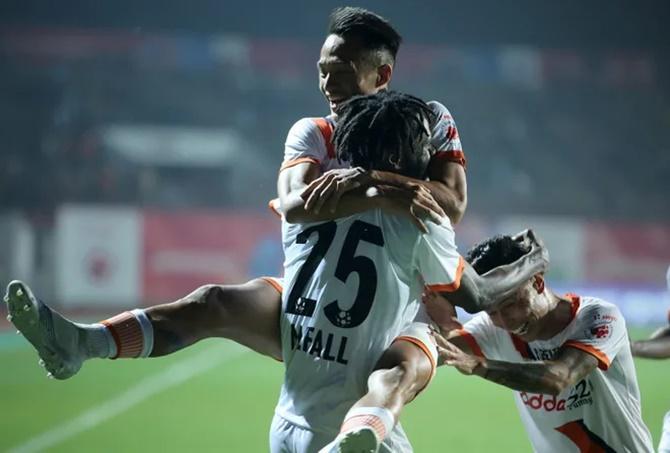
(402, 372)
(247, 314)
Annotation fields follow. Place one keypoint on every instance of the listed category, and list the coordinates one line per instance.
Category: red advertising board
(184, 250)
(627, 254)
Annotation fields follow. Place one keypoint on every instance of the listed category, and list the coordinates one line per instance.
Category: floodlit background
(140, 143)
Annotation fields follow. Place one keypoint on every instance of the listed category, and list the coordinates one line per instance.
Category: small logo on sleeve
(601, 332)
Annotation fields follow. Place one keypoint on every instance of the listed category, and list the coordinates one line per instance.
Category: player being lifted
(354, 286)
(568, 359)
(357, 57)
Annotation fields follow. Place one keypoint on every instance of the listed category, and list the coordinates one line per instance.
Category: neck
(558, 317)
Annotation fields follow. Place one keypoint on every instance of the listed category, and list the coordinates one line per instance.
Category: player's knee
(397, 379)
(208, 303)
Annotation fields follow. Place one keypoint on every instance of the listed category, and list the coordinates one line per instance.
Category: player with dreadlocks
(383, 128)
(357, 57)
(355, 286)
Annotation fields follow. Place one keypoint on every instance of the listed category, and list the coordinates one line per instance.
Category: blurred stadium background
(140, 143)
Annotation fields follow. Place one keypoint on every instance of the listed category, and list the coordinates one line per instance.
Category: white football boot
(57, 340)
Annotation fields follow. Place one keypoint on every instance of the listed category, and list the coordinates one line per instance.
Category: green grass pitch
(220, 397)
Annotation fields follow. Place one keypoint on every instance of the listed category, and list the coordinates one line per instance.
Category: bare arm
(549, 377)
(656, 347)
(293, 181)
(447, 187)
(412, 201)
(447, 184)
(480, 292)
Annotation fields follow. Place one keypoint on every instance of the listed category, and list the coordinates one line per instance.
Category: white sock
(98, 341)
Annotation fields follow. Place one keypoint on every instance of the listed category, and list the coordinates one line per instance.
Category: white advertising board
(98, 252)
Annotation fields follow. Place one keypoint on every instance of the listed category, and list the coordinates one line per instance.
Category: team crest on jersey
(601, 331)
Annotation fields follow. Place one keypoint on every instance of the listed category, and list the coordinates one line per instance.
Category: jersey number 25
(346, 264)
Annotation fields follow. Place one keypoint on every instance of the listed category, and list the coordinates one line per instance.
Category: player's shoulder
(441, 229)
(594, 309)
(306, 125)
(441, 112)
(315, 125)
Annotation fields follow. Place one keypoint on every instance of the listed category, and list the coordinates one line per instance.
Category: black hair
(493, 252)
(384, 131)
(374, 32)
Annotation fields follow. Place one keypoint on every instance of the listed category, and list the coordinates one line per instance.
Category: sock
(97, 340)
(380, 419)
(131, 333)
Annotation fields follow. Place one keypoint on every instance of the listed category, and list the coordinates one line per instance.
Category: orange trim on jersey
(274, 283)
(586, 440)
(450, 287)
(326, 129)
(521, 346)
(603, 360)
(299, 160)
(456, 156)
(471, 341)
(274, 207)
(575, 301)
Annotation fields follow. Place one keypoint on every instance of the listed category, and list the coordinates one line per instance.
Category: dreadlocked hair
(374, 32)
(384, 131)
(493, 252)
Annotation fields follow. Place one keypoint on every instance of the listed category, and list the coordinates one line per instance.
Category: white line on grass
(169, 377)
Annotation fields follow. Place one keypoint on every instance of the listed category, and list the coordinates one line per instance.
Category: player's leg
(248, 314)
(404, 369)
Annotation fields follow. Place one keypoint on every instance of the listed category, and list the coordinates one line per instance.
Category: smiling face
(344, 71)
(524, 314)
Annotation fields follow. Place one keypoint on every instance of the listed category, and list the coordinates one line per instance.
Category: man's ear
(538, 283)
(384, 73)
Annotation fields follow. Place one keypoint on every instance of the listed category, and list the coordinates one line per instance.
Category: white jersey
(351, 286)
(309, 140)
(602, 411)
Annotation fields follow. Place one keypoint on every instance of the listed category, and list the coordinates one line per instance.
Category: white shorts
(287, 437)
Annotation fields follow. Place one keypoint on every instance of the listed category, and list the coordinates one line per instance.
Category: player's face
(343, 73)
(522, 314)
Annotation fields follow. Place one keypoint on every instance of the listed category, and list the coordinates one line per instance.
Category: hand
(534, 246)
(414, 201)
(441, 311)
(451, 355)
(327, 189)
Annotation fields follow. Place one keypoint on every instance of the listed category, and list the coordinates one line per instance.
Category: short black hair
(493, 252)
(384, 131)
(374, 32)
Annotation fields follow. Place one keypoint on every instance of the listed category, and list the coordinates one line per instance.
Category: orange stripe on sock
(127, 333)
(359, 421)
